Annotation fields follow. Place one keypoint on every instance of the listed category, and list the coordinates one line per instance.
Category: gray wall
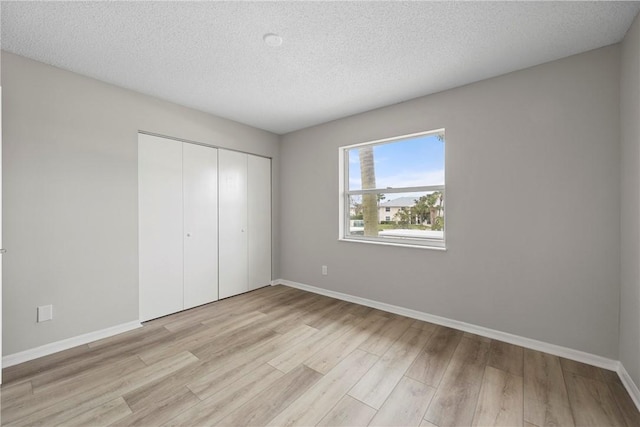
(630, 278)
(70, 195)
(533, 206)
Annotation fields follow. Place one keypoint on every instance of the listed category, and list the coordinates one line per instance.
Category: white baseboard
(628, 383)
(557, 350)
(54, 347)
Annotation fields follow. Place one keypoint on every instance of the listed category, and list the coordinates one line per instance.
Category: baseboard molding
(568, 353)
(54, 347)
(628, 383)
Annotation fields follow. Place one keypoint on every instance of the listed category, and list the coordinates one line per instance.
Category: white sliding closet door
(259, 222)
(232, 191)
(200, 185)
(160, 232)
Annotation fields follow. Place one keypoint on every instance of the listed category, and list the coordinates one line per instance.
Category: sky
(408, 163)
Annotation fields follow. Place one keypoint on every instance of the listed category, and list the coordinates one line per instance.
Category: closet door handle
(188, 234)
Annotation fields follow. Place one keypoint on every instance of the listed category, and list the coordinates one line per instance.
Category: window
(401, 176)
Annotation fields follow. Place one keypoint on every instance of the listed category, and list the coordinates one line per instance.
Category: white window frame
(345, 194)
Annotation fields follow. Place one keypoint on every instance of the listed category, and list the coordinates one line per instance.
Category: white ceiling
(337, 58)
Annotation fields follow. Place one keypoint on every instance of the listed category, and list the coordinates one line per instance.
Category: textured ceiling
(337, 58)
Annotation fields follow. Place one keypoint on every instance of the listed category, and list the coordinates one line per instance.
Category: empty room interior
(332, 213)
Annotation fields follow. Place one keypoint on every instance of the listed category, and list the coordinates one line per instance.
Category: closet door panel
(160, 226)
(200, 189)
(259, 221)
(232, 193)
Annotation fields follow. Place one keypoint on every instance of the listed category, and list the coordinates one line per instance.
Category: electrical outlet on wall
(325, 271)
(45, 312)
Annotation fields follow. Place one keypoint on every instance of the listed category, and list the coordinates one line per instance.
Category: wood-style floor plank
(582, 369)
(425, 326)
(543, 414)
(246, 362)
(543, 378)
(233, 396)
(611, 376)
(455, 401)
(546, 402)
(106, 414)
(54, 407)
(87, 378)
(348, 412)
(68, 363)
(237, 341)
(283, 356)
(219, 326)
(432, 362)
(299, 313)
(329, 356)
(13, 393)
(476, 337)
(406, 405)
(156, 411)
(507, 357)
(273, 400)
(374, 388)
(501, 400)
(339, 309)
(295, 355)
(592, 402)
(315, 403)
(28, 370)
(380, 341)
(628, 409)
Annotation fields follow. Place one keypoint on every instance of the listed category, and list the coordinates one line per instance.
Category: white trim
(628, 383)
(395, 138)
(342, 176)
(428, 244)
(345, 193)
(554, 349)
(392, 190)
(54, 347)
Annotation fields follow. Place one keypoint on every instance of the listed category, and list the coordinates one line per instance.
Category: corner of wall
(629, 320)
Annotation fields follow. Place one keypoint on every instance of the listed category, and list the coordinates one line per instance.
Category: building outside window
(395, 189)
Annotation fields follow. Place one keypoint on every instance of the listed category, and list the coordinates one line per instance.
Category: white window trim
(343, 185)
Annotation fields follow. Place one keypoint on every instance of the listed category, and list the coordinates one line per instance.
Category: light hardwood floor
(282, 357)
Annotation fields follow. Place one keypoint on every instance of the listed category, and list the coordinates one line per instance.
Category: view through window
(394, 191)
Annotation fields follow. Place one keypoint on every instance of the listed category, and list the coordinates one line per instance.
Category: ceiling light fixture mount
(272, 40)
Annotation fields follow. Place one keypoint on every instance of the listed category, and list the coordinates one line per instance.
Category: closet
(204, 224)
(245, 222)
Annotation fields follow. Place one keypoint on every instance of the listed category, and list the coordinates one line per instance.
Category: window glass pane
(412, 162)
(411, 215)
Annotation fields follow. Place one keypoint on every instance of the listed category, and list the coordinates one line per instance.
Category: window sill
(403, 245)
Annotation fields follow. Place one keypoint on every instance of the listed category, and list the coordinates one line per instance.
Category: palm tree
(434, 201)
(369, 201)
(421, 210)
(403, 216)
